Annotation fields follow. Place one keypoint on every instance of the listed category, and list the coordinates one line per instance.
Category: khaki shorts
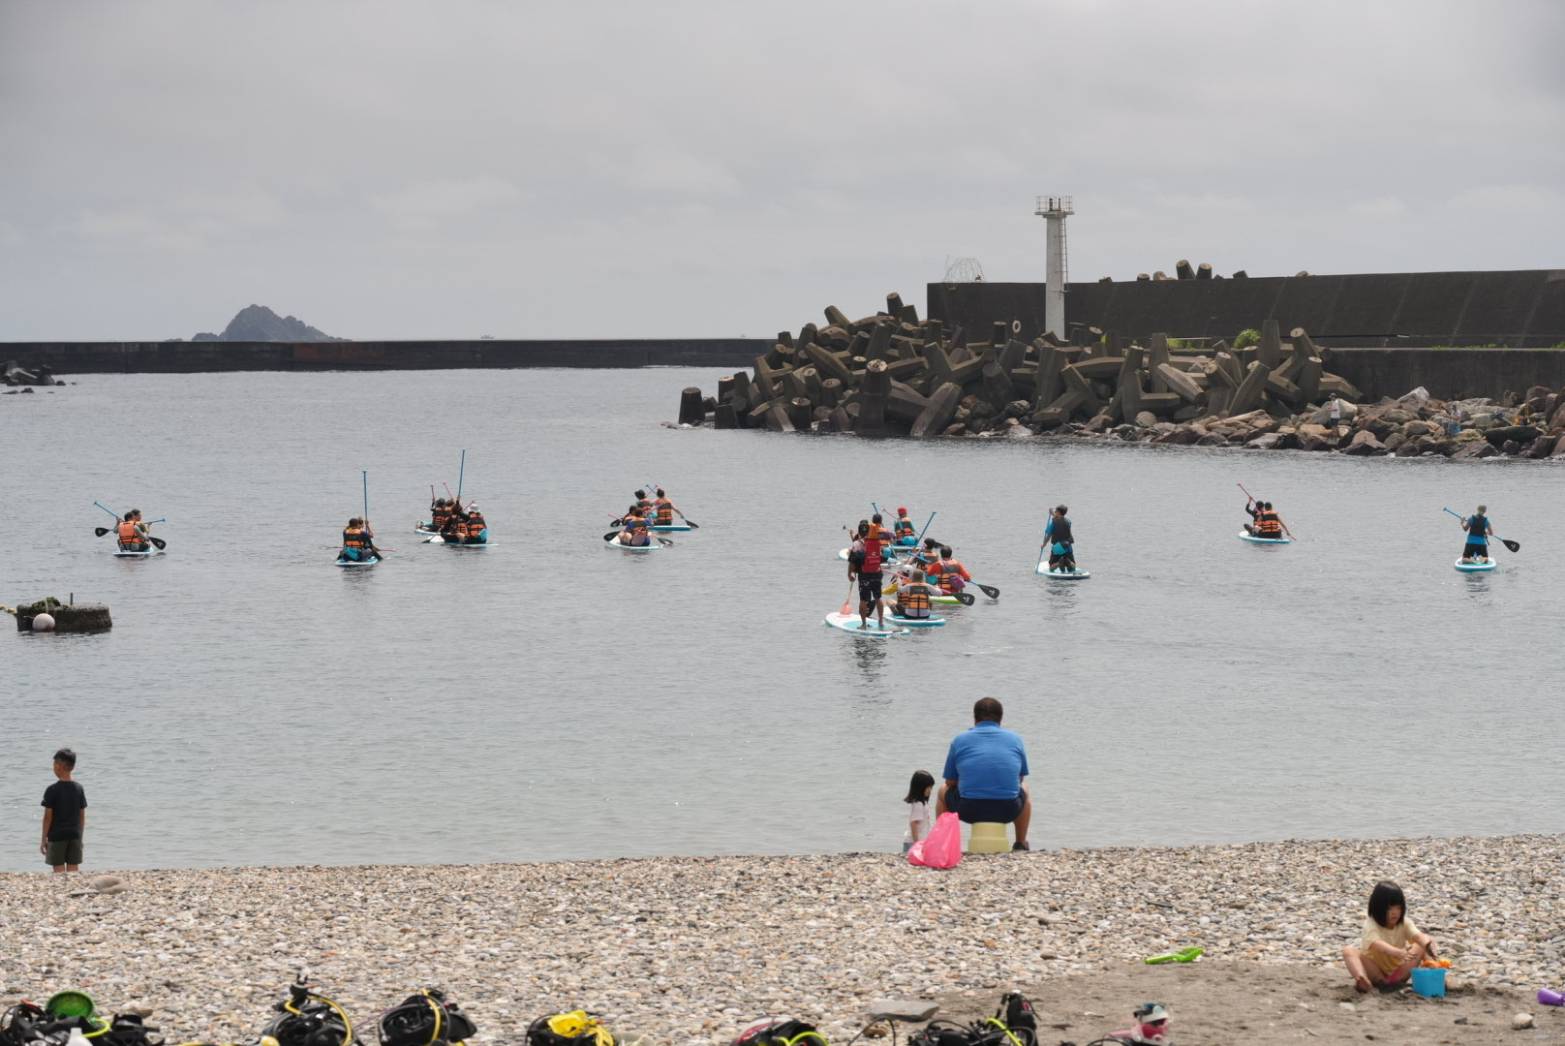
(64, 851)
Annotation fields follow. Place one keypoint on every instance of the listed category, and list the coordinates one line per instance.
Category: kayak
(124, 553)
(1063, 575)
(1475, 568)
(1245, 535)
(653, 547)
(671, 528)
(851, 623)
(915, 622)
(358, 562)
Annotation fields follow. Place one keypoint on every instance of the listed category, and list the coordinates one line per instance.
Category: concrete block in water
(72, 617)
(777, 419)
(905, 403)
(692, 408)
(938, 411)
(873, 391)
(725, 417)
(830, 364)
(1269, 351)
(1077, 383)
(1248, 395)
(1179, 383)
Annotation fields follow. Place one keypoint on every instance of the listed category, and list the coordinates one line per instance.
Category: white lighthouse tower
(1054, 210)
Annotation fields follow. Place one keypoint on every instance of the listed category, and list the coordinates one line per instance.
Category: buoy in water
(43, 623)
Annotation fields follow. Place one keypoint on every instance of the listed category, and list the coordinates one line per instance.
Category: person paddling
(358, 541)
(1479, 531)
(1060, 541)
(914, 599)
(1267, 523)
(477, 528)
(440, 514)
(903, 531)
(948, 572)
(635, 529)
(864, 563)
(131, 532)
(664, 510)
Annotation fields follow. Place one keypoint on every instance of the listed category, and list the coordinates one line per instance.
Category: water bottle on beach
(77, 1038)
(1550, 997)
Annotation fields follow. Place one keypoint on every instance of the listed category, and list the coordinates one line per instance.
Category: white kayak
(1063, 575)
(358, 563)
(851, 623)
(1475, 568)
(125, 553)
(1245, 535)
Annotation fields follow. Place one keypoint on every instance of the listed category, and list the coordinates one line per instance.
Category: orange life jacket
(127, 533)
(904, 527)
(460, 531)
(439, 517)
(915, 600)
(355, 538)
(1268, 522)
(475, 524)
(665, 512)
(946, 574)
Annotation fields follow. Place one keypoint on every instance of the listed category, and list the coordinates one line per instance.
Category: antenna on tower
(1054, 210)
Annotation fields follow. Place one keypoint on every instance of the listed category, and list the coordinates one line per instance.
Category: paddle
(1514, 546)
(461, 470)
(364, 474)
(157, 543)
(847, 603)
(988, 590)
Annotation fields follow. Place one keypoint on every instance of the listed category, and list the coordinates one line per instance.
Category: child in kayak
(1391, 946)
(918, 792)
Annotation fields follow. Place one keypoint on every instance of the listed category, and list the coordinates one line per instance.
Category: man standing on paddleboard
(864, 563)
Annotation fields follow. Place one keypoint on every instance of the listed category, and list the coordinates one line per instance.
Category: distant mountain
(258, 323)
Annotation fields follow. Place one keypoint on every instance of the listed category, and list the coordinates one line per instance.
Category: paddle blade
(964, 598)
(988, 590)
(693, 524)
(158, 543)
(100, 531)
(665, 542)
(1514, 546)
(611, 535)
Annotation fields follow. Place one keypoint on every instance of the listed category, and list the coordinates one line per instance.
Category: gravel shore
(687, 950)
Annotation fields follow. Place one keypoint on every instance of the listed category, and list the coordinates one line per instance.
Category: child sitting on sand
(918, 791)
(1392, 946)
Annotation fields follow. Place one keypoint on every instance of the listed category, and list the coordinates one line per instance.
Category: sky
(466, 168)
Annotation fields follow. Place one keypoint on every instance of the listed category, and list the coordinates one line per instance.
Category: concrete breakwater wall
(1521, 308)
(1448, 373)
(183, 357)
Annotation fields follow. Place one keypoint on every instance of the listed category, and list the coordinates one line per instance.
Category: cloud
(426, 205)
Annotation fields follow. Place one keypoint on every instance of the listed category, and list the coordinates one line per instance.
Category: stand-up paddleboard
(886, 554)
(1475, 568)
(438, 540)
(1245, 535)
(1062, 575)
(914, 622)
(669, 528)
(425, 530)
(358, 562)
(851, 623)
(649, 547)
(125, 553)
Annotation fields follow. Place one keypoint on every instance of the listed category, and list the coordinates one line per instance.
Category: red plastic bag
(942, 847)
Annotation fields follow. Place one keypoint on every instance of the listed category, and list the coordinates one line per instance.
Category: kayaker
(903, 530)
(358, 541)
(663, 510)
(131, 532)
(1479, 532)
(1060, 542)
(477, 528)
(1267, 523)
(913, 599)
(635, 530)
(440, 514)
(948, 572)
(864, 563)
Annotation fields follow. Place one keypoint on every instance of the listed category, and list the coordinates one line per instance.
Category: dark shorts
(64, 851)
(972, 811)
(869, 588)
(1471, 551)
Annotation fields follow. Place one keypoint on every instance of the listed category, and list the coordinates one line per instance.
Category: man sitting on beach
(984, 773)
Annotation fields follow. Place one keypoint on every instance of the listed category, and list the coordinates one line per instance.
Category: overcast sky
(453, 169)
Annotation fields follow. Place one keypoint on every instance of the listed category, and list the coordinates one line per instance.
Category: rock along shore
(687, 950)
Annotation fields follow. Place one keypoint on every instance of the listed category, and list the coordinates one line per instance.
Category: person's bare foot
(1362, 984)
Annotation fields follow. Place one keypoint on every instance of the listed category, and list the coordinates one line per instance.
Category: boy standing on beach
(64, 816)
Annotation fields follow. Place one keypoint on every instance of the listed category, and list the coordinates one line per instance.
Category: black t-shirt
(67, 799)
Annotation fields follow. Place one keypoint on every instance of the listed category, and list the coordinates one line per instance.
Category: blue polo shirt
(988, 762)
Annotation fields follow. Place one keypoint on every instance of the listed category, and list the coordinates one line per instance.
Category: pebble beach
(689, 950)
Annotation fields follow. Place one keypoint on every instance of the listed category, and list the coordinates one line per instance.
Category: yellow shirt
(1399, 937)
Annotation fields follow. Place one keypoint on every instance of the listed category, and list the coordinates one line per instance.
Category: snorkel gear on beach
(425, 1019)
(310, 1019)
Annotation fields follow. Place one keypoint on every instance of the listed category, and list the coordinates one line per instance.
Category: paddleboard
(1475, 568)
(121, 553)
(1063, 575)
(670, 528)
(1245, 535)
(438, 540)
(851, 623)
(886, 555)
(423, 531)
(358, 562)
(915, 622)
(653, 547)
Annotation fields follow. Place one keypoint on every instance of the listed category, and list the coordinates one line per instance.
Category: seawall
(1448, 373)
(1521, 308)
(184, 357)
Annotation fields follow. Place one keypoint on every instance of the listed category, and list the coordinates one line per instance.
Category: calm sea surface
(551, 698)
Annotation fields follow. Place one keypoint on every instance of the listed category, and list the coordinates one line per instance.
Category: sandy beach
(688, 950)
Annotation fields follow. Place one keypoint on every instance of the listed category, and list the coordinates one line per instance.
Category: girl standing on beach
(1391, 946)
(918, 792)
